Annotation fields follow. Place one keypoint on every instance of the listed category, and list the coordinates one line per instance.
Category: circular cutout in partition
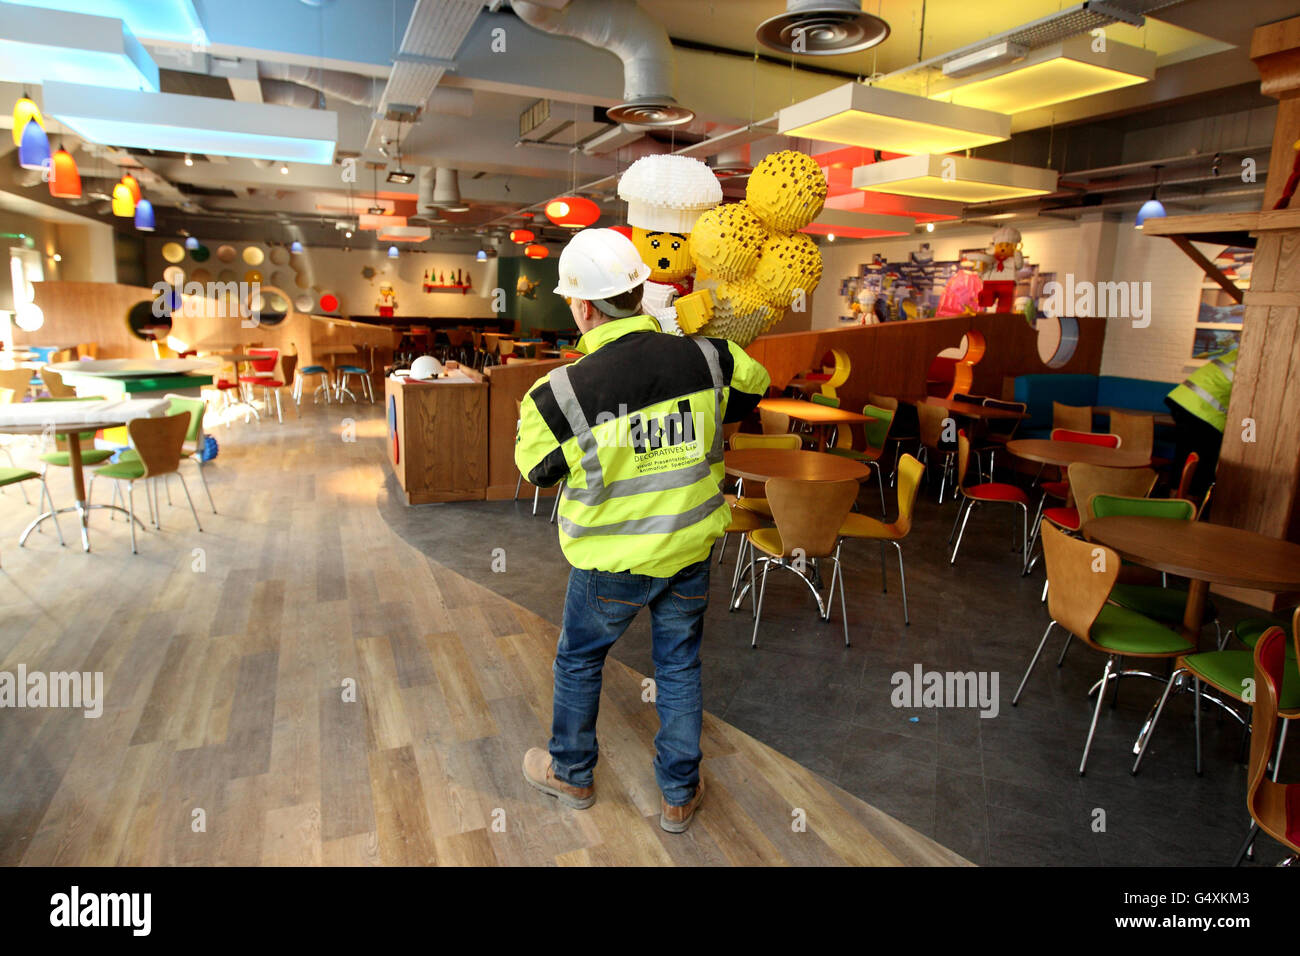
(252, 275)
(279, 278)
(227, 275)
(302, 280)
(304, 302)
(299, 262)
(269, 305)
(174, 275)
(253, 256)
(280, 256)
(201, 254)
(226, 253)
(173, 251)
(1058, 338)
(329, 302)
(151, 319)
(201, 275)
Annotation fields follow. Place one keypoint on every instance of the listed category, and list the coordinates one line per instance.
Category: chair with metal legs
(808, 516)
(742, 441)
(191, 450)
(157, 442)
(933, 426)
(1274, 806)
(1084, 482)
(324, 385)
(876, 430)
(1081, 574)
(16, 476)
(345, 375)
(985, 493)
(900, 430)
(860, 526)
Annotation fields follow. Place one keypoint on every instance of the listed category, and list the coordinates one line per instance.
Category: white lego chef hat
(668, 193)
(1007, 234)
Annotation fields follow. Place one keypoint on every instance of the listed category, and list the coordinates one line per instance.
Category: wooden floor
(226, 737)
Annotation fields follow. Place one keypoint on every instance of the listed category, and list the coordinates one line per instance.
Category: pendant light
(392, 252)
(131, 183)
(34, 150)
(25, 111)
(295, 247)
(1153, 208)
(537, 251)
(144, 219)
(521, 235)
(123, 201)
(191, 243)
(481, 255)
(65, 181)
(572, 212)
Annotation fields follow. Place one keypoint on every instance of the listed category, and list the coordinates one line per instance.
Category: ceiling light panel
(173, 20)
(1064, 71)
(194, 124)
(954, 178)
(40, 45)
(860, 115)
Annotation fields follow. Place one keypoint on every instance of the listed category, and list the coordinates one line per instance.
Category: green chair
(1162, 603)
(157, 443)
(1078, 603)
(193, 445)
(89, 455)
(877, 433)
(827, 400)
(1229, 673)
(15, 476)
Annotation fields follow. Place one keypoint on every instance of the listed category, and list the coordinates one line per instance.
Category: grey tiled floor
(1003, 790)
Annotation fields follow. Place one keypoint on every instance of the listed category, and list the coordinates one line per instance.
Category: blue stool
(345, 373)
(320, 370)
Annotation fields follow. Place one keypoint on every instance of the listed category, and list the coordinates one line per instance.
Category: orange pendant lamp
(130, 183)
(537, 251)
(521, 235)
(65, 181)
(572, 212)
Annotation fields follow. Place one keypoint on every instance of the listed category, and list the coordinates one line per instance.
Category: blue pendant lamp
(1153, 208)
(481, 256)
(144, 220)
(191, 243)
(295, 247)
(392, 252)
(34, 150)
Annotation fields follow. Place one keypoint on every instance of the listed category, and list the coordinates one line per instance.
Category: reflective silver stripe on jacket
(1227, 370)
(596, 490)
(1204, 396)
(655, 524)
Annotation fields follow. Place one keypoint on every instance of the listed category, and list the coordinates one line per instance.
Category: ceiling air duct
(278, 78)
(440, 189)
(822, 28)
(631, 34)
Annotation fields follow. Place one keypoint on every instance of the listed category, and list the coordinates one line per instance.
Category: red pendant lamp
(132, 184)
(572, 212)
(65, 181)
(521, 235)
(536, 251)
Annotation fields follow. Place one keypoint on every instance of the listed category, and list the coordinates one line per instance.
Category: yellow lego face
(666, 253)
(1004, 250)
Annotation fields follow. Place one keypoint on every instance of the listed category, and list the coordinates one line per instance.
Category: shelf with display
(447, 288)
(454, 281)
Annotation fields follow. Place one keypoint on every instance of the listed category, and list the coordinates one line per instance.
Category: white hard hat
(598, 264)
(426, 367)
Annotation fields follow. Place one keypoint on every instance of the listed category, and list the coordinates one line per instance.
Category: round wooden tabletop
(1066, 453)
(812, 412)
(63, 428)
(1201, 551)
(971, 410)
(762, 464)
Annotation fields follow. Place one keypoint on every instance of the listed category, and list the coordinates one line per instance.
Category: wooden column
(1259, 481)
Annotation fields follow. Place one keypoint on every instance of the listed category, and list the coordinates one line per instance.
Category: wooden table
(814, 414)
(1066, 453)
(762, 464)
(72, 432)
(970, 409)
(1161, 418)
(1202, 552)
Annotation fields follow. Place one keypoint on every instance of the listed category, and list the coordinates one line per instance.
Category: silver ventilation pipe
(349, 87)
(631, 34)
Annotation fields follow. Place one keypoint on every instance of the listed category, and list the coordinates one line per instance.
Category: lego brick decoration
(726, 241)
(786, 190)
(668, 193)
(788, 266)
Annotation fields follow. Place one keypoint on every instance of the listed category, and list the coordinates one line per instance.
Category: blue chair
(345, 373)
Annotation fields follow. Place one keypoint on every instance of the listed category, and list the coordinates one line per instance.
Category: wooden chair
(55, 385)
(1274, 807)
(875, 433)
(997, 432)
(157, 443)
(1081, 580)
(774, 423)
(902, 431)
(88, 350)
(860, 526)
(1096, 479)
(808, 517)
(1136, 432)
(1189, 472)
(1074, 417)
(931, 419)
(742, 441)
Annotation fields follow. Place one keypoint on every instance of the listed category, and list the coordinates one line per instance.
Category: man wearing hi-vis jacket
(1200, 410)
(633, 430)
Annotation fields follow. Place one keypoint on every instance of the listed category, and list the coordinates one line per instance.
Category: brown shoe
(678, 819)
(539, 771)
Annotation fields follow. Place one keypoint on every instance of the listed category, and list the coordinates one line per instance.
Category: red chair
(991, 491)
(263, 373)
(1189, 472)
(1061, 489)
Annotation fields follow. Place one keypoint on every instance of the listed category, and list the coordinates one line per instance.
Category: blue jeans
(598, 607)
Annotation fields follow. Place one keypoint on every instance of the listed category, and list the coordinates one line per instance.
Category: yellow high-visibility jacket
(634, 430)
(1207, 390)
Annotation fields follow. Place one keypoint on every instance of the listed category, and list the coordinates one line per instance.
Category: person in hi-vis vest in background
(633, 431)
(1200, 410)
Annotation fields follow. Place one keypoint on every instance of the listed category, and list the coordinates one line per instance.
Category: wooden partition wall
(509, 383)
(893, 358)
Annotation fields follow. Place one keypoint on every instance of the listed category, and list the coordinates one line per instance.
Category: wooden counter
(438, 437)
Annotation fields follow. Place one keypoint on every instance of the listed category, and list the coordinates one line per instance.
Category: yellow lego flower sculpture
(756, 262)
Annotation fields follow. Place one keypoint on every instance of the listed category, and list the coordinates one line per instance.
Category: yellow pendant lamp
(123, 201)
(25, 111)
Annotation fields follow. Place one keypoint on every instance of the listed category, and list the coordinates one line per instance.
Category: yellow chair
(743, 441)
(860, 526)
